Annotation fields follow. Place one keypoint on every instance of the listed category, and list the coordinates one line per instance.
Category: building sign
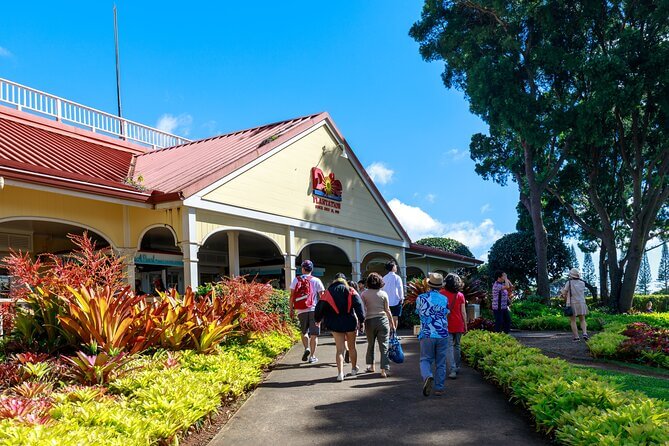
(154, 258)
(326, 191)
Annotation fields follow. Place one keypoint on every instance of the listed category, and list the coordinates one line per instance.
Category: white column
(190, 248)
(128, 255)
(289, 261)
(233, 253)
(403, 266)
(355, 264)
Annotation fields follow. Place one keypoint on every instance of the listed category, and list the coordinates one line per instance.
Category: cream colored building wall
(281, 185)
(428, 265)
(305, 237)
(210, 222)
(369, 248)
(105, 218)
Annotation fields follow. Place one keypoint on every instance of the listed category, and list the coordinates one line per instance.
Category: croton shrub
(575, 405)
(636, 342)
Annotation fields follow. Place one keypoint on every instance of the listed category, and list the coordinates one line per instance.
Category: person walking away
(457, 320)
(432, 309)
(500, 302)
(574, 295)
(395, 290)
(341, 308)
(305, 290)
(378, 322)
(354, 286)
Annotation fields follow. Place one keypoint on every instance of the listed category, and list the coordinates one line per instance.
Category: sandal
(576, 340)
(585, 336)
(384, 373)
(369, 369)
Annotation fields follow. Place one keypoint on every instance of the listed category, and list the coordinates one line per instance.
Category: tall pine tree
(645, 276)
(663, 271)
(573, 260)
(588, 270)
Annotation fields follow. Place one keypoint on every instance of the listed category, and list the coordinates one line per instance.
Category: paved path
(300, 404)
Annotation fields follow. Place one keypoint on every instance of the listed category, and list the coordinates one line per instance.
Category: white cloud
(430, 198)
(486, 208)
(379, 173)
(4, 52)
(453, 155)
(171, 124)
(419, 224)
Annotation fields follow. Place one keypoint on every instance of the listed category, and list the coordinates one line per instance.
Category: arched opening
(375, 262)
(159, 262)
(39, 237)
(233, 252)
(414, 272)
(328, 261)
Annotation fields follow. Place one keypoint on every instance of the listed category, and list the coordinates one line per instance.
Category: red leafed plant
(43, 282)
(25, 410)
(253, 298)
(96, 369)
(107, 317)
(10, 374)
(645, 344)
(481, 323)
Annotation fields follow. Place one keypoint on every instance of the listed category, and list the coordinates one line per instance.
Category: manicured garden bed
(575, 405)
(90, 362)
(163, 396)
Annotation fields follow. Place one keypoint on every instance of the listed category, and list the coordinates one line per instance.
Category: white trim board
(200, 203)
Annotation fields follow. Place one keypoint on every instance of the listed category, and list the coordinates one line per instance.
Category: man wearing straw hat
(432, 308)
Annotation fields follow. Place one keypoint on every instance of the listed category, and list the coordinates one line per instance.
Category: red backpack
(304, 298)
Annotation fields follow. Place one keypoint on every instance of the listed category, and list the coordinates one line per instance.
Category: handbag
(395, 353)
(568, 310)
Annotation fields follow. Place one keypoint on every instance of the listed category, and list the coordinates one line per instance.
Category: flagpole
(118, 67)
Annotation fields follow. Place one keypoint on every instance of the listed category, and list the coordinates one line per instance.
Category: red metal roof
(42, 151)
(191, 167)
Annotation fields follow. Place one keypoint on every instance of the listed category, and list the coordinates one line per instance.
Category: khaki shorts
(308, 324)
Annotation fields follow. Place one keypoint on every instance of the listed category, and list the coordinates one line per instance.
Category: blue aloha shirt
(432, 308)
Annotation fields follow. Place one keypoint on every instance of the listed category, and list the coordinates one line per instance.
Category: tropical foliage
(574, 404)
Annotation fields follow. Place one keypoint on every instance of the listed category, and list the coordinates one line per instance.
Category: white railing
(44, 104)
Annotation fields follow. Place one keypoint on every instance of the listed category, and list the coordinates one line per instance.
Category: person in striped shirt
(501, 299)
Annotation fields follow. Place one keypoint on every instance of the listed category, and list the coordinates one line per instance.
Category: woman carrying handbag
(574, 294)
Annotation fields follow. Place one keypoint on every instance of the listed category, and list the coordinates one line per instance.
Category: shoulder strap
(327, 297)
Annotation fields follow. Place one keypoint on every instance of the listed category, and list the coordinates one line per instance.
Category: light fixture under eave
(2, 183)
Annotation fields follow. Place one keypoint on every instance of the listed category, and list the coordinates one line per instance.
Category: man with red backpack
(305, 290)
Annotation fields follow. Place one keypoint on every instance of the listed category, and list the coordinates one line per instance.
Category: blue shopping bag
(395, 353)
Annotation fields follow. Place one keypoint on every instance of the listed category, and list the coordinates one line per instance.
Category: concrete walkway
(301, 404)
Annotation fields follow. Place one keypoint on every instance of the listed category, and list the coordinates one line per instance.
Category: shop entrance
(39, 237)
(328, 261)
(231, 253)
(375, 262)
(159, 262)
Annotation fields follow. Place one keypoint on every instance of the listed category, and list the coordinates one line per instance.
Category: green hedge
(576, 405)
(660, 302)
(154, 403)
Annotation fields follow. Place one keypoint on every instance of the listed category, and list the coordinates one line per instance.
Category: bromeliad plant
(97, 369)
(108, 317)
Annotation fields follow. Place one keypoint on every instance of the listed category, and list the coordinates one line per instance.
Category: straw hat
(574, 273)
(435, 280)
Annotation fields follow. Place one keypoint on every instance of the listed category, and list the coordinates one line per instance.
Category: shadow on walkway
(303, 404)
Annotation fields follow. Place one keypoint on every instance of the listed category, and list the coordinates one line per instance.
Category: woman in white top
(574, 294)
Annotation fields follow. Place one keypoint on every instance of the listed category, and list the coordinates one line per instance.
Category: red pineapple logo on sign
(325, 186)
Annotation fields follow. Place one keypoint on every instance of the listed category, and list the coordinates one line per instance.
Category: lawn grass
(653, 387)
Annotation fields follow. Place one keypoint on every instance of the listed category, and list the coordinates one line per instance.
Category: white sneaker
(313, 360)
(340, 377)
(354, 371)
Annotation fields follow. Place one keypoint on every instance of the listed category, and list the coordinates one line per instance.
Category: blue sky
(216, 67)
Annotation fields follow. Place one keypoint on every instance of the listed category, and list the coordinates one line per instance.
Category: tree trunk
(540, 245)
(603, 276)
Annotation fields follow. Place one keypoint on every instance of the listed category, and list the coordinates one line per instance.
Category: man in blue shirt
(432, 308)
